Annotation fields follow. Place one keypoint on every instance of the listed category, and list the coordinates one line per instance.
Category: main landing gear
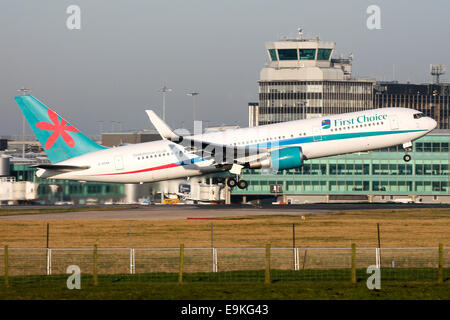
(408, 147)
(241, 184)
(231, 182)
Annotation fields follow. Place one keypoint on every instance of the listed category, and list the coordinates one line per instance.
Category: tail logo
(58, 128)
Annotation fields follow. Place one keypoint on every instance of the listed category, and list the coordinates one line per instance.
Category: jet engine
(281, 159)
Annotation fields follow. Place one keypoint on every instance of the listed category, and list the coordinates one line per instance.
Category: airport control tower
(302, 80)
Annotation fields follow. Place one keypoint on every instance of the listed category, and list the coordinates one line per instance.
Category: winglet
(163, 129)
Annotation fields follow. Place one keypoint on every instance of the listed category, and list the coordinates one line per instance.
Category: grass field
(194, 287)
(399, 228)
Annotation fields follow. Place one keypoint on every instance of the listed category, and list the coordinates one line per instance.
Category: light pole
(24, 91)
(100, 126)
(193, 95)
(164, 90)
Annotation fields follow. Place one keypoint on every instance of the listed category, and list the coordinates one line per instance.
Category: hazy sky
(112, 69)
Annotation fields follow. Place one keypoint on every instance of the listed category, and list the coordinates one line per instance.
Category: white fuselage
(317, 137)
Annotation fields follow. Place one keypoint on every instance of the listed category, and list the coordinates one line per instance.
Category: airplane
(279, 146)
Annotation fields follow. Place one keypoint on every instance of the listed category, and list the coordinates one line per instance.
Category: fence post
(6, 266)
(441, 263)
(296, 259)
(49, 261)
(180, 274)
(215, 260)
(353, 263)
(132, 262)
(267, 277)
(95, 279)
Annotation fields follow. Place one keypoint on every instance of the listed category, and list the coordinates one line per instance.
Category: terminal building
(433, 99)
(19, 184)
(376, 176)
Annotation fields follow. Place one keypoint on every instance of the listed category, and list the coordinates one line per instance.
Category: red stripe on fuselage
(166, 166)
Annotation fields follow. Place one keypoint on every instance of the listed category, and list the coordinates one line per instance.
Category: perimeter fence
(27, 265)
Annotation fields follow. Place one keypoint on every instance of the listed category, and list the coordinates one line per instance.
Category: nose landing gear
(408, 147)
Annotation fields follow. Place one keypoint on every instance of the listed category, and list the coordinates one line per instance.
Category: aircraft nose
(432, 124)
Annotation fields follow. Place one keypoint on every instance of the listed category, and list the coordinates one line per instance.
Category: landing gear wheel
(242, 184)
(231, 182)
(407, 158)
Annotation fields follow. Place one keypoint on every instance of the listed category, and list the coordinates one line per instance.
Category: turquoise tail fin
(60, 140)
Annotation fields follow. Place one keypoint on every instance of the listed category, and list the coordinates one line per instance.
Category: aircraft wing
(222, 154)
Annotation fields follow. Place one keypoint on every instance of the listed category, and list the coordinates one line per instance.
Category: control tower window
(287, 54)
(273, 54)
(323, 54)
(307, 54)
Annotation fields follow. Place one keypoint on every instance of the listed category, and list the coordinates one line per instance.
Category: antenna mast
(436, 71)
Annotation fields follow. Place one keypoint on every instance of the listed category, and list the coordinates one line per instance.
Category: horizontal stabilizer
(61, 168)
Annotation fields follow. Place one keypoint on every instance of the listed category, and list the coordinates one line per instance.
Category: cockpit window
(419, 115)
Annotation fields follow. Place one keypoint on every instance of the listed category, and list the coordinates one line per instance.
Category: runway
(159, 213)
(168, 212)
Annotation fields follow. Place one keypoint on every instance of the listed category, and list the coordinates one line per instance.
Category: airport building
(49, 191)
(433, 99)
(114, 139)
(303, 80)
(379, 175)
(19, 184)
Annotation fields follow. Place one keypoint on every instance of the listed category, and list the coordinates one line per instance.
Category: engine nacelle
(287, 158)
